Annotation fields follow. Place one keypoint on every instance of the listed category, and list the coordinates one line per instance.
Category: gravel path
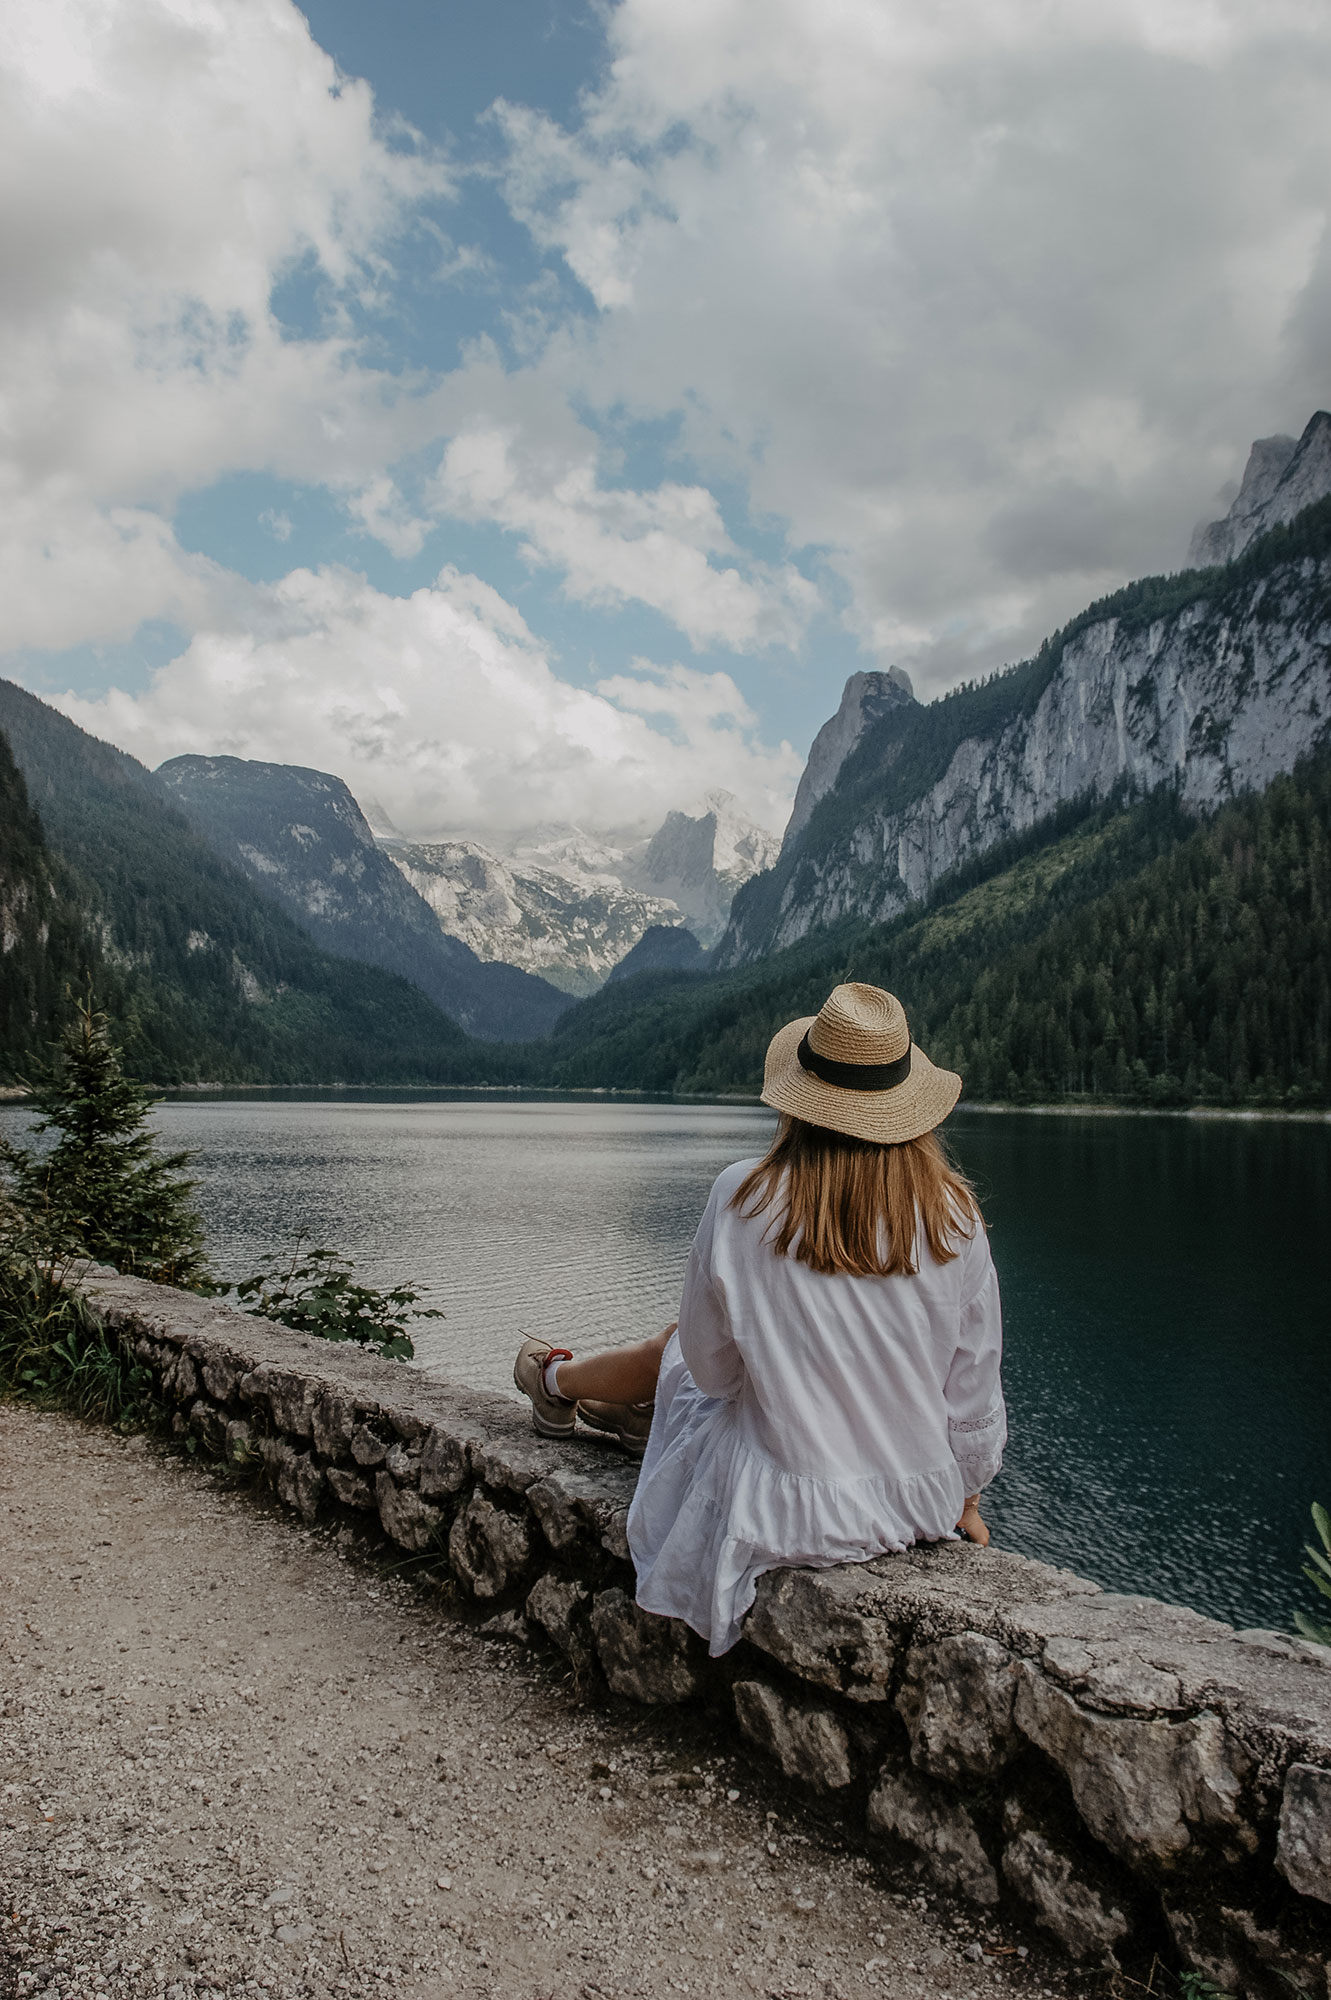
(237, 1758)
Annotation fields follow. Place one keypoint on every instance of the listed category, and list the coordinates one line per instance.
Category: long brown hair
(844, 1204)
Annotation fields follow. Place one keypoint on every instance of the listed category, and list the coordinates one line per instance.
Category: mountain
(1282, 477)
(205, 977)
(865, 699)
(1209, 683)
(570, 905)
(1141, 955)
(301, 837)
(699, 862)
(569, 924)
(663, 948)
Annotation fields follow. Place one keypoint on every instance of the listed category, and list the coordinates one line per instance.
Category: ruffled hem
(711, 1512)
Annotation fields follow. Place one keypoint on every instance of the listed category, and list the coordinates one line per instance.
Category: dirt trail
(236, 1759)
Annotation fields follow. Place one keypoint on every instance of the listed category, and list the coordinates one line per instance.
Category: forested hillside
(205, 979)
(46, 949)
(1140, 957)
(1209, 681)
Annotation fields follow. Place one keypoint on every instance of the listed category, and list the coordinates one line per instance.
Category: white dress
(809, 1419)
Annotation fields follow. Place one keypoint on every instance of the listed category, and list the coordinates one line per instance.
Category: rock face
(698, 863)
(808, 1743)
(1220, 693)
(300, 836)
(571, 906)
(865, 699)
(1282, 477)
(570, 928)
(939, 1829)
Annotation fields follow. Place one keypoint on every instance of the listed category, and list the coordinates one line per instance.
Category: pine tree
(103, 1190)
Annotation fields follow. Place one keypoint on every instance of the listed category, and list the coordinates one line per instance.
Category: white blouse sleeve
(973, 1393)
(705, 1337)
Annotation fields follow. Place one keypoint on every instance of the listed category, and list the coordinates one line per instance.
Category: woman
(831, 1389)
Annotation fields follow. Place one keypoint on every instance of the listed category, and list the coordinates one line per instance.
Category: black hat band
(854, 1076)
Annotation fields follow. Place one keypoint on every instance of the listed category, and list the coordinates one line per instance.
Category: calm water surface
(1164, 1287)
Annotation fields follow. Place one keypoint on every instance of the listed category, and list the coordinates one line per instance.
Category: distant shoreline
(15, 1094)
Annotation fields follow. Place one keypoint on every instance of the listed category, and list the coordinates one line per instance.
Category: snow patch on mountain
(571, 925)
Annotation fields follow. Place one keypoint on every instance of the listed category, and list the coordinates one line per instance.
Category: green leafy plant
(103, 1189)
(1318, 1572)
(1196, 1986)
(317, 1292)
(52, 1350)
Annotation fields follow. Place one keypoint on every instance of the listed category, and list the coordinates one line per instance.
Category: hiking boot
(551, 1415)
(625, 1424)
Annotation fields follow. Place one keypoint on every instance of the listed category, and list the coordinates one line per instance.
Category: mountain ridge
(206, 979)
(1213, 681)
(301, 837)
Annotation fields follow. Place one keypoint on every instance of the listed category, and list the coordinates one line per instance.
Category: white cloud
(666, 547)
(163, 164)
(985, 297)
(443, 705)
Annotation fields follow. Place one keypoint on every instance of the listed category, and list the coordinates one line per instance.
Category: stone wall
(1131, 1775)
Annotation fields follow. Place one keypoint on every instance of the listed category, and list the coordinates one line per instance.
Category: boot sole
(546, 1429)
(634, 1446)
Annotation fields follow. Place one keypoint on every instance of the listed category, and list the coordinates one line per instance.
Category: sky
(532, 410)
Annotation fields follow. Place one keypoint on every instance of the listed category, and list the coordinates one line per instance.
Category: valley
(1098, 876)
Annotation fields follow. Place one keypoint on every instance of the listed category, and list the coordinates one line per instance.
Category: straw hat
(852, 1067)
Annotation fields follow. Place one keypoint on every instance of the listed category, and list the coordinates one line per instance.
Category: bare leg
(971, 1524)
(620, 1375)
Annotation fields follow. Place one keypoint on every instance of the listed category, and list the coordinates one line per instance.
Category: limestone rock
(1303, 1849)
(808, 1743)
(956, 1700)
(811, 1621)
(561, 1608)
(1141, 1785)
(488, 1548)
(940, 1830)
(1115, 1678)
(290, 1397)
(1086, 1921)
(649, 1659)
(353, 1489)
(443, 1465)
(406, 1518)
(332, 1420)
(614, 1523)
(404, 1465)
(298, 1480)
(221, 1376)
(180, 1379)
(367, 1447)
(572, 1504)
(510, 1626)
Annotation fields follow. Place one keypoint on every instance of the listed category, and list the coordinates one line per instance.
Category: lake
(1164, 1287)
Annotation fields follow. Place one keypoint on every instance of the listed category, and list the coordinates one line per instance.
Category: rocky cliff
(1211, 682)
(1282, 477)
(865, 699)
(699, 861)
(570, 925)
(300, 835)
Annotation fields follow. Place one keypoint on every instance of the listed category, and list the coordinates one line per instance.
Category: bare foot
(972, 1526)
